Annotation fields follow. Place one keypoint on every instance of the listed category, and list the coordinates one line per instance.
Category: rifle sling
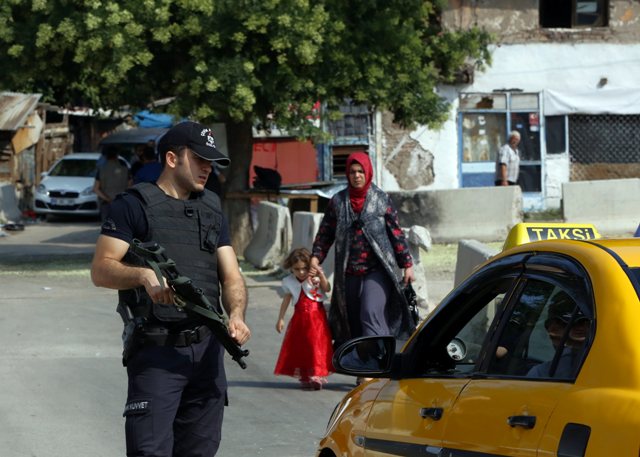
(204, 312)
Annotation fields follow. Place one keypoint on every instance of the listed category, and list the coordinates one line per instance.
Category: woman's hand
(408, 276)
(314, 267)
(280, 325)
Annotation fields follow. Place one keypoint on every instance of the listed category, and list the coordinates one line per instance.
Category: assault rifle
(189, 297)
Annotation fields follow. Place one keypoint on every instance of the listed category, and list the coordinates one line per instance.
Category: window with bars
(574, 13)
(350, 134)
(604, 146)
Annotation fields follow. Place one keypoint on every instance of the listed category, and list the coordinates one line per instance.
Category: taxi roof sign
(527, 232)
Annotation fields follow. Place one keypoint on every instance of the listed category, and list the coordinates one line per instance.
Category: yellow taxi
(536, 353)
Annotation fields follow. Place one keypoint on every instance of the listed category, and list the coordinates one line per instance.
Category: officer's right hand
(159, 293)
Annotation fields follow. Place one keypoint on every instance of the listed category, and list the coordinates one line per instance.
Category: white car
(67, 188)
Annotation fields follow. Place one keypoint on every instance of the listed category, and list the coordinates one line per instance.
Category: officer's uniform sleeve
(224, 239)
(126, 219)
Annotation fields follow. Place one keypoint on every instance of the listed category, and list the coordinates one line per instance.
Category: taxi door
(409, 416)
(505, 418)
(532, 363)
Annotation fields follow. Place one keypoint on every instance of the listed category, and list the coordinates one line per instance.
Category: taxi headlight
(41, 189)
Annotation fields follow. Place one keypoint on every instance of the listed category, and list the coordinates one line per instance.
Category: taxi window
(459, 347)
(466, 348)
(635, 274)
(545, 336)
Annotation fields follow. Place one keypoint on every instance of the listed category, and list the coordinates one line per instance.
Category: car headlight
(87, 191)
(41, 189)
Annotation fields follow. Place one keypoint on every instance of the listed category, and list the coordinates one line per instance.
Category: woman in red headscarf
(369, 247)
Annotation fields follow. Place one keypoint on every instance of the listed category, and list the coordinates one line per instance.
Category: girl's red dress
(306, 349)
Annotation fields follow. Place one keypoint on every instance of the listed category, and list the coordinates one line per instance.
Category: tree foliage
(237, 61)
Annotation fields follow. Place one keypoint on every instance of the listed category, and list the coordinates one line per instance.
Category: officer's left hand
(239, 330)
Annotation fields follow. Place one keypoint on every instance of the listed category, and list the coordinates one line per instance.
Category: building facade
(565, 77)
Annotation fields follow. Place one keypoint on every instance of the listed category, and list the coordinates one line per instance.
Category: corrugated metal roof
(15, 108)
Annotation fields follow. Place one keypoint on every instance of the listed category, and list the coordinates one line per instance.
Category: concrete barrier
(419, 239)
(471, 253)
(481, 213)
(9, 211)
(611, 205)
(271, 241)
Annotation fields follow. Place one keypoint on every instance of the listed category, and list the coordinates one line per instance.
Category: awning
(596, 101)
(15, 108)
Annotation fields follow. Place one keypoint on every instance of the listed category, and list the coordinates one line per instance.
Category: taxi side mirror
(367, 356)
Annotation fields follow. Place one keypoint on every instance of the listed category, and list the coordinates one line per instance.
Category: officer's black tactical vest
(188, 230)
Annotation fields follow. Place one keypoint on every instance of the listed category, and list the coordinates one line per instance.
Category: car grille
(87, 206)
(63, 194)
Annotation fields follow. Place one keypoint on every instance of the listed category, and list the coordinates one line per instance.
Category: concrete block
(271, 240)
(419, 239)
(9, 211)
(305, 228)
(481, 213)
(419, 236)
(471, 253)
(611, 205)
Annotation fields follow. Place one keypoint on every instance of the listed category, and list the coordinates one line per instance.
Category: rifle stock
(190, 297)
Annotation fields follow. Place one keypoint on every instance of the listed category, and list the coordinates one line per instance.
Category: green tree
(237, 61)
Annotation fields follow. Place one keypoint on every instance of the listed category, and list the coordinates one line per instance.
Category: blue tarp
(146, 119)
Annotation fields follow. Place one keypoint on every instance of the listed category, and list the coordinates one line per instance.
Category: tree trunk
(240, 144)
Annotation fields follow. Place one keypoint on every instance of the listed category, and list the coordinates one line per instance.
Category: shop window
(574, 13)
(485, 120)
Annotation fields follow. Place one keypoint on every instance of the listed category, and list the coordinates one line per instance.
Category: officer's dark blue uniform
(177, 384)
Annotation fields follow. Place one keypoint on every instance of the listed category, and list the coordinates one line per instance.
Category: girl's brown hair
(295, 256)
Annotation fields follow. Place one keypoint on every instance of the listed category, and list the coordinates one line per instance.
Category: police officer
(176, 379)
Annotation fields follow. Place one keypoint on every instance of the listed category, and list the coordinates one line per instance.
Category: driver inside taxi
(567, 331)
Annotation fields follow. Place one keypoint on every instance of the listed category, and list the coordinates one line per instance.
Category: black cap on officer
(197, 137)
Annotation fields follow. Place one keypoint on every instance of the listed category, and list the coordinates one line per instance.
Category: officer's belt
(158, 337)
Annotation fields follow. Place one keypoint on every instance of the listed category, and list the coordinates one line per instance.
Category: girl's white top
(291, 285)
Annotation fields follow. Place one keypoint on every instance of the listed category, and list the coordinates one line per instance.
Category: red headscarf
(357, 196)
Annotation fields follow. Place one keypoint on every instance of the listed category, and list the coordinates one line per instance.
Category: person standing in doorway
(177, 387)
(508, 161)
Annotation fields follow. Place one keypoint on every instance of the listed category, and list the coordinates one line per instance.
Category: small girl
(306, 349)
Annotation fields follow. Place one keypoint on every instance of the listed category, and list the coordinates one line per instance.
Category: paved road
(63, 387)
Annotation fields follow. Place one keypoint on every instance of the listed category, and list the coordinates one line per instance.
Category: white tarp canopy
(597, 101)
